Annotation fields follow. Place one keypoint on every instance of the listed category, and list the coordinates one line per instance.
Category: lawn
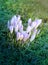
(37, 52)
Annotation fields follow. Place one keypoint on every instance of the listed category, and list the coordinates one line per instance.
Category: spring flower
(18, 18)
(11, 29)
(16, 28)
(33, 25)
(25, 35)
(15, 24)
(28, 29)
(21, 28)
(33, 35)
(29, 21)
(38, 22)
(19, 36)
(13, 20)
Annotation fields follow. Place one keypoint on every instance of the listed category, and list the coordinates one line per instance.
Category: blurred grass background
(37, 52)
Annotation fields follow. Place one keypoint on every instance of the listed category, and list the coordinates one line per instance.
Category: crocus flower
(18, 18)
(13, 20)
(19, 36)
(33, 25)
(11, 29)
(28, 29)
(16, 25)
(16, 28)
(29, 21)
(33, 35)
(25, 35)
(21, 28)
(38, 22)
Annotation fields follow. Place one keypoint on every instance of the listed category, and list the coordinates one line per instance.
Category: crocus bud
(11, 29)
(18, 35)
(13, 20)
(18, 17)
(25, 35)
(21, 28)
(21, 36)
(33, 35)
(16, 28)
(38, 22)
(29, 21)
(33, 25)
(28, 29)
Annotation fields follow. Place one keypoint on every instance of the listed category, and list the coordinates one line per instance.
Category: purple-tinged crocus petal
(25, 36)
(33, 25)
(21, 28)
(38, 22)
(33, 35)
(11, 29)
(13, 20)
(28, 29)
(18, 18)
(29, 21)
(21, 36)
(16, 28)
(18, 35)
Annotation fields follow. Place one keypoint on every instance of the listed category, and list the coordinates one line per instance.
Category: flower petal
(29, 21)
(18, 35)
(11, 29)
(38, 22)
(33, 35)
(28, 29)
(16, 28)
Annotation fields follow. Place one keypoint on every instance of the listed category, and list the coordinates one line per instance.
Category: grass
(37, 52)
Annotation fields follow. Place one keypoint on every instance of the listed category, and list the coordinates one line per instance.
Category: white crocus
(25, 35)
(18, 18)
(16, 25)
(19, 36)
(38, 22)
(21, 28)
(33, 25)
(16, 28)
(29, 21)
(13, 20)
(11, 29)
(28, 29)
(33, 35)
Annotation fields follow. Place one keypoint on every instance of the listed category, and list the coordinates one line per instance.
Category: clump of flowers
(15, 24)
